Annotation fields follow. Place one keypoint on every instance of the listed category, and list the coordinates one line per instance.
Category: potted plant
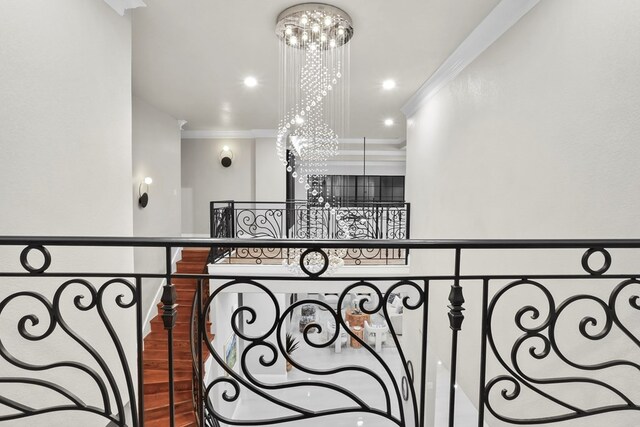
(291, 345)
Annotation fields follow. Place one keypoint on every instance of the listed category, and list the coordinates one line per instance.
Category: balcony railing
(303, 220)
(551, 334)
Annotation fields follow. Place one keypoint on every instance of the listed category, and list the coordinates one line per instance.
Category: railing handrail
(302, 243)
(285, 202)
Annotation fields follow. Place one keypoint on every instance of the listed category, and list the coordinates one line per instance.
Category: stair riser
(181, 421)
(164, 387)
(162, 345)
(163, 365)
(163, 412)
(178, 355)
(201, 254)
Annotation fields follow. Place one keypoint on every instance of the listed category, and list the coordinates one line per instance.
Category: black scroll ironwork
(540, 340)
(270, 348)
(305, 221)
(97, 375)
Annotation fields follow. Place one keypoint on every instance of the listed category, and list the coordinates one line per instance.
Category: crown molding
(229, 134)
(389, 153)
(271, 133)
(121, 6)
(504, 16)
(369, 163)
(264, 133)
(372, 141)
(217, 134)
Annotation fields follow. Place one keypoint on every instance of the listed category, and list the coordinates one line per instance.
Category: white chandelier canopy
(314, 76)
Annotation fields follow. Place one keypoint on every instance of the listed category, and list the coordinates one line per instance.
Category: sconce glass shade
(226, 156)
(143, 196)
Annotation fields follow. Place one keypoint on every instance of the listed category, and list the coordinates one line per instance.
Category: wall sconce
(143, 197)
(226, 156)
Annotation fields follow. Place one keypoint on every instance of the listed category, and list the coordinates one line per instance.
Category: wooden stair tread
(161, 399)
(182, 420)
(154, 376)
(162, 412)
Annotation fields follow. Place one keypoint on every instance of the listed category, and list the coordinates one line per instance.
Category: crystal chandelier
(314, 76)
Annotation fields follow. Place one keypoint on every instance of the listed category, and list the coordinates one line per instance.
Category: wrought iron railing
(555, 336)
(308, 221)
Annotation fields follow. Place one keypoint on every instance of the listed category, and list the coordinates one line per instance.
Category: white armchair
(340, 340)
(376, 335)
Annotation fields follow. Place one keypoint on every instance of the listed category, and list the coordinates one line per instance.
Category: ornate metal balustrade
(549, 347)
(303, 220)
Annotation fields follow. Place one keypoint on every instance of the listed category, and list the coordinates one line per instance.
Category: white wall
(535, 139)
(156, 154)
(270, 173)
(65, 139)
(204, 179)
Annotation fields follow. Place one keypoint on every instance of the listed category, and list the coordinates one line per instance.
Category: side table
(356, 319)
(359, 332)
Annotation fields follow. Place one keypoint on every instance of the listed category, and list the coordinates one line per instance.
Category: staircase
(156, 380)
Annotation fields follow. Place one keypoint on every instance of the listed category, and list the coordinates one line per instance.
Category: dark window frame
(344, 189)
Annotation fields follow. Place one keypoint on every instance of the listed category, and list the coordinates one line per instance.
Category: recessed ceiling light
(250, 81)
(388, 84)
(388, 122)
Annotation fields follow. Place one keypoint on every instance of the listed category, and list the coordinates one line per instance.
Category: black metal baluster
(407, 229)
(456, 318)
(202, 334)
(212, 219)
(140, 348)
(169, 315)
(483, 353)
(234, 231)
(423, 364)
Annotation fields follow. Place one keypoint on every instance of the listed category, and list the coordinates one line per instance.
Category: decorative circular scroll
(601, 270)
(405, 388)
(325, 260)
(24, 259)
(411, 372)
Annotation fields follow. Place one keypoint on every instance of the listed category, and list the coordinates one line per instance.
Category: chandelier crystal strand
(314, 76)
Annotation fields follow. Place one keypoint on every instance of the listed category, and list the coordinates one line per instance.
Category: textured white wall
(270, 173)
(535, 139)
(156, 153)
(204, 179)
(65, 168)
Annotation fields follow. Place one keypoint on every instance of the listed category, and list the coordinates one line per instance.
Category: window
(342, 189)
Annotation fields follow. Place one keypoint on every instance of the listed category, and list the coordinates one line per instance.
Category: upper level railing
(548, 331)
(303, 220)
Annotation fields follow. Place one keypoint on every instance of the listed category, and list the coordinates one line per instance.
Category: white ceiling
(190, 58)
